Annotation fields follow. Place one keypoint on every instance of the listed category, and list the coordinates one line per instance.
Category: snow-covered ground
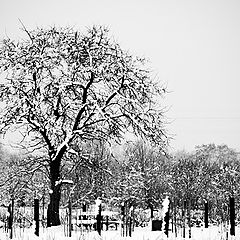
(58, 233)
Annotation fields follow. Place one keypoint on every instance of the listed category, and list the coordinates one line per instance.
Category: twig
(24, 28)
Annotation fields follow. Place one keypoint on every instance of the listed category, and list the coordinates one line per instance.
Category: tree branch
(25, 29)
(84, 100)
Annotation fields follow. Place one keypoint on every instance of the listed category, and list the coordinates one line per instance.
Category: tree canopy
(62, 84)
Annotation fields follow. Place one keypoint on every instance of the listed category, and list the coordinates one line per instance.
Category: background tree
(222, 178)
(150, 163)
(20, 176)
(216, 153)
(211, 173)
(185, 179)
(90, 170)
(62, 86)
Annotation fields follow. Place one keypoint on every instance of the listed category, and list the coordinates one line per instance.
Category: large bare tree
(60, 86)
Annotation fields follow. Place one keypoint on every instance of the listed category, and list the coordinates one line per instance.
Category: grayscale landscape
(119, 120)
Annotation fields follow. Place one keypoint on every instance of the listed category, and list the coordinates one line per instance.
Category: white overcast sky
(194, 46)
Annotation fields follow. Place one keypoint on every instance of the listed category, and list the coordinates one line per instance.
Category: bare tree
(146, 164)
(91, 171)
(21, 176)
(61, 86)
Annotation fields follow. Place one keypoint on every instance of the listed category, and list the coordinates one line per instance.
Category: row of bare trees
(210, 174)
(141, 175)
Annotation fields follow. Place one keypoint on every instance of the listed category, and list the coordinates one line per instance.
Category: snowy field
(58, 233)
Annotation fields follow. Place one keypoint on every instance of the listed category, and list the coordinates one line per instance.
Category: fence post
(123, 218)
(70, 217)
(232, 216)
(36, 216)
(99, 217)
(166, 220)
(189, 218)
(43, 205)
(184, 218)
(107, 223)
(130, 220)
(10, 223)
(206, 214)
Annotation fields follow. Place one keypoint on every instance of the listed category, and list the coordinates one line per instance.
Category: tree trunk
(53, 218)
(53, 207)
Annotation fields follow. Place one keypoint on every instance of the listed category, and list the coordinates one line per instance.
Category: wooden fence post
(36, 216)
